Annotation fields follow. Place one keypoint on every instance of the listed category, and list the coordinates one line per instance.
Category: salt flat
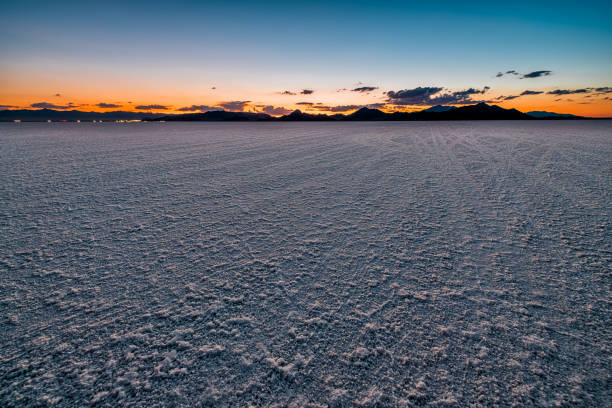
(306, 264)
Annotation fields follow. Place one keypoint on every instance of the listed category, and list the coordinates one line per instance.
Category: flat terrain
(306, 264)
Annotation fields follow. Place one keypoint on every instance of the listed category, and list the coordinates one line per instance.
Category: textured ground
(306, 264)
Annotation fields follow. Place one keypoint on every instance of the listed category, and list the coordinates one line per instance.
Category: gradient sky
(164, 56)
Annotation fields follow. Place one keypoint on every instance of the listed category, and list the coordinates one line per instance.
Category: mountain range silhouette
(480, 111)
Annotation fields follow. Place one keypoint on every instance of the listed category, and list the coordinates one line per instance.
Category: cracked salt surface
(306, 264)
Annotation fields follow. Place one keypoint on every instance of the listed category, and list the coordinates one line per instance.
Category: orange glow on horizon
(18, 95)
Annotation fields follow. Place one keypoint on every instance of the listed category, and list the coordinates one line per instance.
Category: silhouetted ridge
(367, 114)
(216, 116)
(480, 111)
(439, 108)
(552, 115)
(39, 115)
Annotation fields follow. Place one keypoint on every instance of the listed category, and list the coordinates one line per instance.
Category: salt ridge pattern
(305, 265)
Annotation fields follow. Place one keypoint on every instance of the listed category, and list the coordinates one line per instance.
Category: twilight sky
(318, 56)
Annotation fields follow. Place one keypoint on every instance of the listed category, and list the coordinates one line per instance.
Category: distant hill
(552, 115)
(439, 108)
(299, 116)
(216, 116)
(367, 114)
(41, 115)
(480, 111)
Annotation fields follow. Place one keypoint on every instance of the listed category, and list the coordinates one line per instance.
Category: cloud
(198, 108)
(7, 107)
(276, 110)
(510, 72)
(537, 74)
(57, 94)
(234, 106)
(365, 89)
(568, 91)
(214, 87)
(107, 105)
(305, 103)
(533, 74)
(528, 92)
(48, 105)
(344, 108)
(602, 90)
(415, 96)
(302, 92)
(427, 96)
(510, 97)
(151, 107)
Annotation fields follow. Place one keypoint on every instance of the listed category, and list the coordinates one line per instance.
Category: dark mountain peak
(365, 109)
(439, 108)
(366, 113)
(298, 115)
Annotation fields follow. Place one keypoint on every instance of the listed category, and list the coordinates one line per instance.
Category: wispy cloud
(533, 74)
(3, 107)
(49, 105)
(344, 108)
(365, 89)
(602, 90)
(151, 107)
(528, 92)
(234, 106)
(510, 72)
(302, 92)
(568, 91)
(276, 110)
(198, 108)
(537, 74)
(105, 105)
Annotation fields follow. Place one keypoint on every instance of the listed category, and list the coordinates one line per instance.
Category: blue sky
(258, 48)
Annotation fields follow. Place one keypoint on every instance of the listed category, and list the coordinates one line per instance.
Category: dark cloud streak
(568, 91)
(537, 74)
(528, 92)
(105, 105)
(151, 107)
(198, 108)
(48, 105)
(365, 89)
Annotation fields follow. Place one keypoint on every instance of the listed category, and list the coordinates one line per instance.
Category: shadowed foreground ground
(301, 264)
